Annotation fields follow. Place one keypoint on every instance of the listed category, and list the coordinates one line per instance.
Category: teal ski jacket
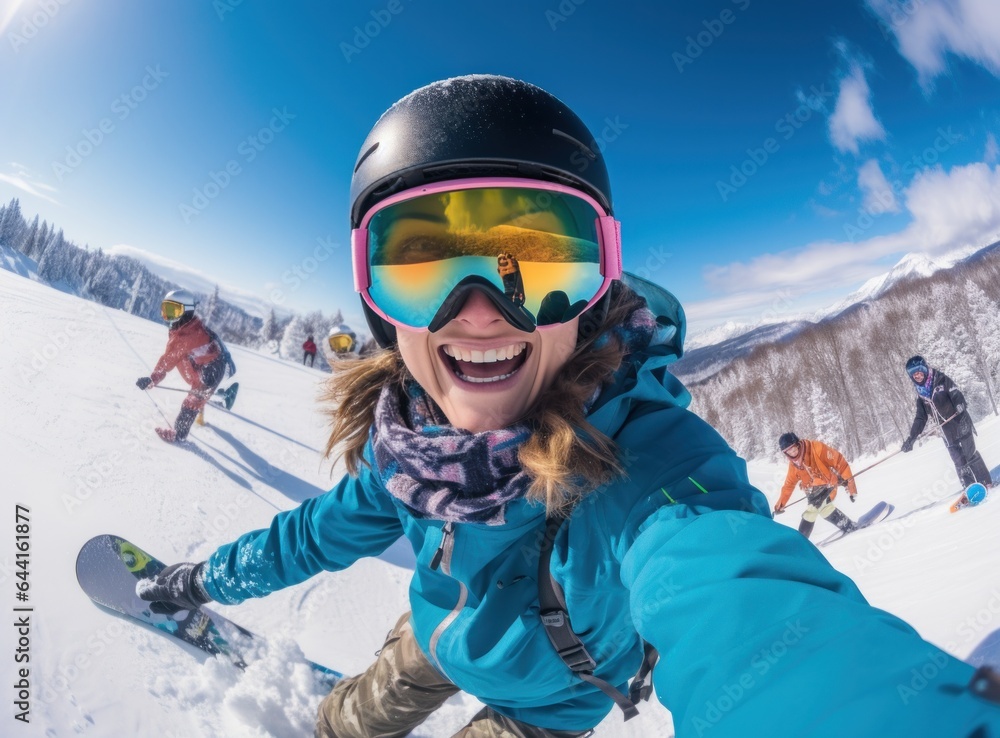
(757, 633)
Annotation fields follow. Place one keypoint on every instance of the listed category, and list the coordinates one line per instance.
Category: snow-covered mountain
(912, 266)
(79, 452)
(718, 334)
(704, 361)
(711, 350)
(196, 281)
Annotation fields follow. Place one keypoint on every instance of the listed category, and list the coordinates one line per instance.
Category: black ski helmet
(787, 440)
(474, 126)
(916, 364)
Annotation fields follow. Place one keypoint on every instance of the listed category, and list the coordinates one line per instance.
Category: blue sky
(766, 157)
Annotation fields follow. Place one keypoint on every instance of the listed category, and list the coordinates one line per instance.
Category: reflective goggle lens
(539, 248)
(171, 310)
(341, 343)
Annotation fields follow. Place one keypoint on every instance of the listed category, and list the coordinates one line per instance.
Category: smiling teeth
(483, 380)
(489, 356)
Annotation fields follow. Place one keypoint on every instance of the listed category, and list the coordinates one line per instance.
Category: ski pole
(870, 466)
(796, 502)
(177, 389)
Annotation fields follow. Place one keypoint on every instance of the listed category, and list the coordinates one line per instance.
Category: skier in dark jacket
(939, 398)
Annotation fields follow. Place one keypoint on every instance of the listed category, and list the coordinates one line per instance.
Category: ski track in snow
(83, 457)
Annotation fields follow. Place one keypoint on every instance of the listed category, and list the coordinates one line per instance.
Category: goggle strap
(611, 246)
(359, 257)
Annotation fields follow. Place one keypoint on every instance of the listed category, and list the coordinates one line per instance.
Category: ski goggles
(543, 253)
(171, 310)
(341, 343)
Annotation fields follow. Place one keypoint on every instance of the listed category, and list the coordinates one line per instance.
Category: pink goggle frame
(608, 233)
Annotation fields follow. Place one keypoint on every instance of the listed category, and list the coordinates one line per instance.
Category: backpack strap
(573, 652)
(224, 352)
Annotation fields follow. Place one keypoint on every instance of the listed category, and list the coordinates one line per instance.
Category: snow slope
(14, 261)
(77, 448)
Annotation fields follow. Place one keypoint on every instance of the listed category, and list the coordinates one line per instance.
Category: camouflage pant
(399, 691)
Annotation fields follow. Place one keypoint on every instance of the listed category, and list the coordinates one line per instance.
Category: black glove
(907, 446)
(178, 587)
(143, 382)
(852, 497)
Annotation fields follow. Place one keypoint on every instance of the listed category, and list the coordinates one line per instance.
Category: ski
(877, 514)
(108, 568)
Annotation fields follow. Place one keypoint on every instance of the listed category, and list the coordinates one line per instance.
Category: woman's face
(483, 372)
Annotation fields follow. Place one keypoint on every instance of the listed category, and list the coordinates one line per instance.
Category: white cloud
(953, 208)
(992, 152)
(878, 197)
(824, 211)
(853, 121)
(927, 31)
(948, 210)
(23, 180)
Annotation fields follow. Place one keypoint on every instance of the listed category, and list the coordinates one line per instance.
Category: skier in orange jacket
(819, 469)
(197, 354)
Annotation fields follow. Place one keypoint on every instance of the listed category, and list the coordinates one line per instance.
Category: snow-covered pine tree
(13, 227)
(292, 339)
(269, 329)
(827, 424)
(54, 266)
(134, 305)
(209, 313)
(104, 287)
(947, 346)
(985, 331)
(41, 241)
(31, 237)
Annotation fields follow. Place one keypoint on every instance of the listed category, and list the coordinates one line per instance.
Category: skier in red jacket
(196, 353)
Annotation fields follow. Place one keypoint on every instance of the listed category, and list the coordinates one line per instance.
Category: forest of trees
(842, 380)
(123, 283)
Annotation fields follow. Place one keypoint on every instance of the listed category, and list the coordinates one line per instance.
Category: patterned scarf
(445, 473)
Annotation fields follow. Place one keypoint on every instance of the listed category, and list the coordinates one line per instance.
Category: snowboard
(973, 495)
(877, 514)
(108, 568)
(229, 395)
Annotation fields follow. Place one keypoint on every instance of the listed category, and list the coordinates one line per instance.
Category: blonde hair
(565, 456)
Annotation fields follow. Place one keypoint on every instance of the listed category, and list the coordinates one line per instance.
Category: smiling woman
(506, 449)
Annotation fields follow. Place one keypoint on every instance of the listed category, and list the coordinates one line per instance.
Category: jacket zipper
(442, 560)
